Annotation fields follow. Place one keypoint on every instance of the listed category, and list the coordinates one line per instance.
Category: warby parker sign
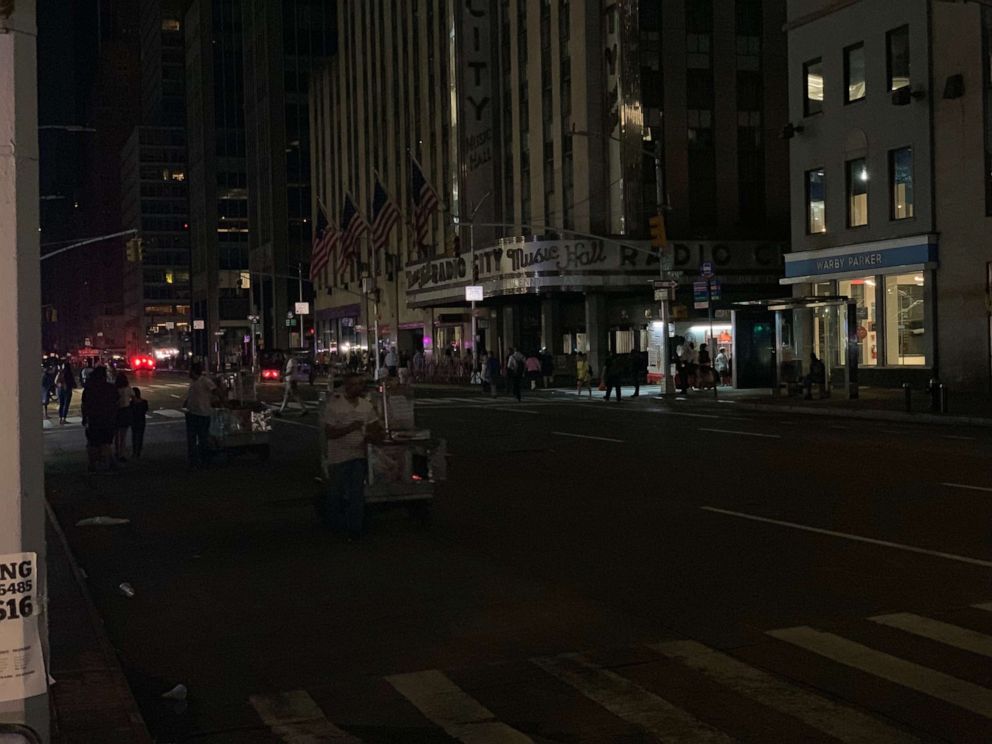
(548, 257)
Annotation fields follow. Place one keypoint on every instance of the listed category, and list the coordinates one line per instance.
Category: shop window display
(863, 291)
(905, 331)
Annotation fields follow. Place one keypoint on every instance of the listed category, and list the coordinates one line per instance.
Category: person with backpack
(515, 364)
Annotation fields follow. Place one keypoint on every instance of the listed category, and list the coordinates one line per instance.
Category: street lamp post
(471, 247)
(665, 301)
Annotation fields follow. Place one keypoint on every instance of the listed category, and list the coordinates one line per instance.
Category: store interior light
(918, 279)
(870, 282)
(864, 174)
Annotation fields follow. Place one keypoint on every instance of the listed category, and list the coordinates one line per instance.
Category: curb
(129, 705)
(873, 415)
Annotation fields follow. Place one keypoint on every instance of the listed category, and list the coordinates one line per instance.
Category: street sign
(664, 293)
(291, 322)
(473, 293)
(706, 269)
(714, 289)
(199, 325)
(700, 295)
(665, 284)
(302, 308)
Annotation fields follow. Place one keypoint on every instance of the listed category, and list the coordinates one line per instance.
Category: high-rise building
(891, 192)
(282, 43)
(217, 179)
(537, 124)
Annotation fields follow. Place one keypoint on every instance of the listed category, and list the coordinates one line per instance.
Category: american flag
(352, 227)
(325, 240)
(425, 201)
(385, 215)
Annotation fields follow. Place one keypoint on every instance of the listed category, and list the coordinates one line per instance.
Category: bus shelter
(774, 341)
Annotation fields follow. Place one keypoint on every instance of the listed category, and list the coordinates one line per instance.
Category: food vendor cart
(242, 424)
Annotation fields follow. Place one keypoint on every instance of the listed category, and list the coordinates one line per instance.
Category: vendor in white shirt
(350, 425)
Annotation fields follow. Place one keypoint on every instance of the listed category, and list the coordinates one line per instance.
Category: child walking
(139, 409)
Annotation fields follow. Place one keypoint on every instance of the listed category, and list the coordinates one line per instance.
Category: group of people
(111, 408)
(537, 368)
(698, 369)
(58, 381)
(618, 369)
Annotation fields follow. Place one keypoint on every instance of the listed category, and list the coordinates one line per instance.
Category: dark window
(813, 87)
(897, 57)
(857, 192)
(901, 183)
(816, 220)
(698, 16)
(854, 73)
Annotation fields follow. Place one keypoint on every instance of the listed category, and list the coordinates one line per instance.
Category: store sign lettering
(849, 263)
(437, 272)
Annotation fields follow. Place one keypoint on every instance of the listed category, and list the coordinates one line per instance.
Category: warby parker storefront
(892, 282)
(564, 295)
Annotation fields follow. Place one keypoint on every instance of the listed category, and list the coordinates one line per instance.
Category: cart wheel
(421, 512)
(262, 451)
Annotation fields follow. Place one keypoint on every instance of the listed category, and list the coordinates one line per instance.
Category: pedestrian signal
(659, 238)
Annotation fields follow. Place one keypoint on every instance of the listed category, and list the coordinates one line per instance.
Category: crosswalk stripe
(170, 413)
(458, 713)
(952, 635)
(296, 718)
(630, 701)
(841, 722)
(942, 686)
(987, 606)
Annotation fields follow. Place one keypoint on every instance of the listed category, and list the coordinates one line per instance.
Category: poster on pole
(302, 308)
(22, 665)
(473, 293)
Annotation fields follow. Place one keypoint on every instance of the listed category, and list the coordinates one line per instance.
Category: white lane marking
(742, 433)
(586, 436)
(935, 630)
(630, 701)
(458, 713)
(296, 718)
(170, 413)
(930, 682)
(174, 395)
(957, 436)
(987, 606)
(967, 487)
(731, 402)
(690, 415)
(846, 536)
(839, 721)
(512, 410)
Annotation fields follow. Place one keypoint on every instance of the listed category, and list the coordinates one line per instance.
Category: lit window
(905, 331)
(897, 57)
(813, 87)
(854, 73)
(816, 220)
(178, 176)
(864, 292)
(170, 24)
(169, 277)
(901, 182)
(857, 193)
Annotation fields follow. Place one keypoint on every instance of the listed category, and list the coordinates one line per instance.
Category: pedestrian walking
(404, 369)
(637, 364)
(123, 388)
(290, 386)
(350, 425)
(200, 396)
(515, 364)
(613, 374)
(817, 376)
(492, 364)
(99, 410)
(722, 366)
(47, 387)
(85, 372)
(547, 368)
(705, 376)
(533, 366)
(139, 411)
(65, 383)
(583, 374)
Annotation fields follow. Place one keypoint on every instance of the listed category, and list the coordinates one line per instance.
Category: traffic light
(659, 238)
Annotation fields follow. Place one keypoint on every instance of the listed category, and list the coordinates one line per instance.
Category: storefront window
(863, 291)
(904, 319)
(857, 193)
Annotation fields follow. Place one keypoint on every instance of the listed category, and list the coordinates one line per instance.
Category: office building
(890, 180)
(537, 123)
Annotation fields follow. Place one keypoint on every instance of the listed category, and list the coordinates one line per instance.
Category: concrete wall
(965, 229)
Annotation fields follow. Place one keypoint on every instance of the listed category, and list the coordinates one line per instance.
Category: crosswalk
(870, 681)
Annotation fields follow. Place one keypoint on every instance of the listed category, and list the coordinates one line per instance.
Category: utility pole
(471, 247)
(22, 500)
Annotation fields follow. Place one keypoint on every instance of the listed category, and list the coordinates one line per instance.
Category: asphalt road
(593, 572)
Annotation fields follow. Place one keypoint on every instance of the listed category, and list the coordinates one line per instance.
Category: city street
(592, 572)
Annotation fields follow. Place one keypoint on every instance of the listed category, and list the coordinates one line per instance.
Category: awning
(861, 259)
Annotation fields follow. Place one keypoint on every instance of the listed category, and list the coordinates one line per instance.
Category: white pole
(22, 499)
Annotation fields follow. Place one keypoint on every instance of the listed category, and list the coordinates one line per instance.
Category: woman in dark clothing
(65, 383)
(123, 414)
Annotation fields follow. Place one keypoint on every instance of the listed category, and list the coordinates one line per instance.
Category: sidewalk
(90, 700)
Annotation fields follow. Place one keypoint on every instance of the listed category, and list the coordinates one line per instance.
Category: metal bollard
(943, 398)
(933, 388)
(907, 391)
